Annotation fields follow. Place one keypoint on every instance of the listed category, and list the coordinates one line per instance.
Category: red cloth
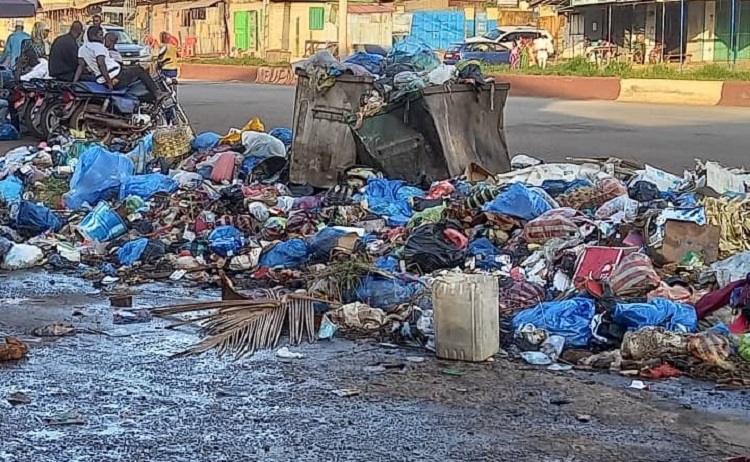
(223, 168)
(456, 237)
(712, 301)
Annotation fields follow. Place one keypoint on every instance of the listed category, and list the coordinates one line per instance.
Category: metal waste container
(431, 134)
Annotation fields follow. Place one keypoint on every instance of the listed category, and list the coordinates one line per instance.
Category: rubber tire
(46, 114)
(27, 120)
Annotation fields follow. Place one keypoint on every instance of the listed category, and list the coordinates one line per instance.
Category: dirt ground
(134, 403)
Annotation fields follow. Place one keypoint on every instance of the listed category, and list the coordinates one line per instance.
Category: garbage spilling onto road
(593, 263)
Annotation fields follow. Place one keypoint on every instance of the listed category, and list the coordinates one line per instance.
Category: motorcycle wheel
(29, 122)
(49, 118)
(78, 122)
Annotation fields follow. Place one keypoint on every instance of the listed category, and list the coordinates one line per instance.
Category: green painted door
(241, 36)
(724, 29)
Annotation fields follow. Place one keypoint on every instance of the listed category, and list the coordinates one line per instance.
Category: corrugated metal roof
(369, 9)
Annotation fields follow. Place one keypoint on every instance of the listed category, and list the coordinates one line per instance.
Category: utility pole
(343, 29)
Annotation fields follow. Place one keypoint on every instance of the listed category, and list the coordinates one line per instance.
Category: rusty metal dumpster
(431, 134)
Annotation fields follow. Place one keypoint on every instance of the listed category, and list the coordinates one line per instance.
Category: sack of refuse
(98, 175)
(22, 256)
(413, 52)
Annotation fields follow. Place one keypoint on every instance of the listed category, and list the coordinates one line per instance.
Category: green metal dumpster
(432, 134)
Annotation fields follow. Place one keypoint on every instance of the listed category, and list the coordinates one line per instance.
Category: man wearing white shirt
(96, 57)
(543, 47)
(32, 67)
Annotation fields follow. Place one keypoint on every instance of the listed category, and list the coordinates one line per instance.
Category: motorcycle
(125, 114)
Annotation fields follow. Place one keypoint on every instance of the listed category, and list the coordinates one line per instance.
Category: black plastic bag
(643, 191)
(428, 250)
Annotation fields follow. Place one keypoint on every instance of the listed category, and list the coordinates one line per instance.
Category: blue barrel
(102, 224)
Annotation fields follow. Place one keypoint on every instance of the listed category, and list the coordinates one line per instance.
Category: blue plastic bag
(131, 252)
(556, 187)
(99, 173)
(289, 254)
(225, 241)
(518, 201)
(321, 243)
(8, 133)
(414, 52)
(370, 61)
(206, 141)
(140, 155)
(390, 198)
(282, 134)
(386, 293)
(387, 263)
(145, 186)
(568, 318)
(11, 190)
(34, 219)
(484, 252)
(657, 312)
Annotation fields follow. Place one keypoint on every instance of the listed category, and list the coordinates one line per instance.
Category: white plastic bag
(22, 256)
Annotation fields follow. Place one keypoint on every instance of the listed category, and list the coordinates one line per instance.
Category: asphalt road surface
(670, 137)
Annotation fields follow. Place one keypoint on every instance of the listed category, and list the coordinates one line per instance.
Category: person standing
(524, 54)
(13, 46)
(63, 55)
(542, 47)
(96, 20)
(170, 55)
(39, 40)
(515, 56)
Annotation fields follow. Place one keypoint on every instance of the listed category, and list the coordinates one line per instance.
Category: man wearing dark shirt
(63, 56)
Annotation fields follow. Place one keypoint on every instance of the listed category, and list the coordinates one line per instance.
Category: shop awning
(191, 5)
(57, 5)
(18, 8)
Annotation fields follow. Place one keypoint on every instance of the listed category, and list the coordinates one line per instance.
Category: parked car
(487, 52)
(506, 35)
(130, 50)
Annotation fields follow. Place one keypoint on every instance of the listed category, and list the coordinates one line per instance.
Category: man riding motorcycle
(63, 56)
(95, 56)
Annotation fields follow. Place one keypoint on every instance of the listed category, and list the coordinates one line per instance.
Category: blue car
(487, 52)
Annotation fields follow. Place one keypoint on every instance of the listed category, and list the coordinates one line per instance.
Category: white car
(506, 35)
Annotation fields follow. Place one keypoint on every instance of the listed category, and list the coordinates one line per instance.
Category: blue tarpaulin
(568, 318)
(657, 312)
(518, 201)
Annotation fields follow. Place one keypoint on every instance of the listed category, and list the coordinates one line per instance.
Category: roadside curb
(656, 91)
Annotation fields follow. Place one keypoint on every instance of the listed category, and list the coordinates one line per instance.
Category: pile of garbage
(601, 263)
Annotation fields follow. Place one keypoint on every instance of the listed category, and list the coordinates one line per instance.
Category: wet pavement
(118, 396)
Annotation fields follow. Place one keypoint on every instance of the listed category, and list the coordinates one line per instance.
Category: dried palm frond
(242, 325)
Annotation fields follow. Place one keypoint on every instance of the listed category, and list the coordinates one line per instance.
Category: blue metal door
(438, 29)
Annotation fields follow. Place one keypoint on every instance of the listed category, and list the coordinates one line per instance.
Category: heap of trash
(600, 263)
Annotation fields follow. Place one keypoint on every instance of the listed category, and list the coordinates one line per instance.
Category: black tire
(29, 122)
(50, 117)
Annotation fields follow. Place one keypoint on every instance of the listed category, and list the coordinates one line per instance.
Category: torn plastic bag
(321, 244)
(35, 219)
(643, 191)
(5, 246)
(98, 176)
(206, 141)
(11, 190)
(413, 52)
(557, 187)
(145, 186)
(657, 312)
(131, 251)
(485, 254)
(262, 145)
(731, 269)
(390, 198)
(428, 249)
(225, 241)
(370, 61)
(567, 318)
(386, 293)
(518, 201)
(289, 254)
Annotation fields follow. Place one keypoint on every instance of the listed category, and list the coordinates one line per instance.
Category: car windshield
(453, 48)
(122, 36)
(494, 34)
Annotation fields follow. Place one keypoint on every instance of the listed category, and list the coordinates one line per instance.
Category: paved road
(667, 136)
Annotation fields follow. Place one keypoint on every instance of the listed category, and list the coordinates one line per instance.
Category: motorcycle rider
(31, 66)
(63, 56)
(95, 56)
(110, 42)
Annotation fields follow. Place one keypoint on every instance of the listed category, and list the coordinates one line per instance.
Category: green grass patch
(582, 68)
(244, 61)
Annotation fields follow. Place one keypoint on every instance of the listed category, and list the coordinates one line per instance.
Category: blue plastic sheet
(282, 134)
(484, 252)
(390, 198)
(518, 201)
(140, 155)
(372, 62)
(413, 52)
(657, 312)
(34, 219)
(11, 190)
(131, 252)
(386, 293)
(206, 141)
(387, 263)
(225, 241)
(289, 254)
(99, 173)
(322, 242)
(568, 318)
(145, 186)
(8, 133)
